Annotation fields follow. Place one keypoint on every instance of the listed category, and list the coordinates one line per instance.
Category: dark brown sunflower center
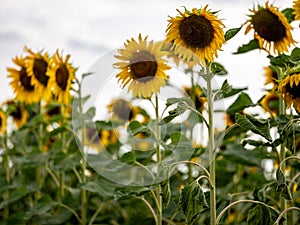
(25, 80)
(122, 110)
(0, 122)
(54, 111)
(143, 66)
(17, 114)
(196, 31)
(268, 26)
(39, 71)
(294, 91)
(62, 76)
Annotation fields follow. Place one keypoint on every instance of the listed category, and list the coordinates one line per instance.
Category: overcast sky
(89, 29)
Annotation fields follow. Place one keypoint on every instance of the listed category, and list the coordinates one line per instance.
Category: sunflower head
(142, 67)
(271, 28)
(296, 8)
(196, 94)
(271, 76)
(21, 83)
(2, 122)
(122, 110)
(289, 87)
(18, 113)
(196, 35)
(270, 103)
(37, 65)
(61, 74)
(95, 139)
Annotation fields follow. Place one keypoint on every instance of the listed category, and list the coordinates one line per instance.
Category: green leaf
(180, 109)
(257, 126)
(193, 202)
(282, 187)
(128, 158)
(288, 13)
(261, 215)
(231, 33)
(252, 45)
(136, 127)
(43, 205)
(172, 101)
(226, 87)
(243, 101)
(218, 69)
(14, 196)
(296, 54)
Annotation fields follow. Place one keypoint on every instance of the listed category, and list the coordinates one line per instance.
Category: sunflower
(270, 103)
(196, 35)
(21, 82)
(289, 87)
(2, 122)
(271, 76)
(37, 65)
(199, 99)
(271, 29)
(296, 8)
(95, 139)
(142, 67)
(61, 74)
(17, 112)
(123, 110)
(230, 119)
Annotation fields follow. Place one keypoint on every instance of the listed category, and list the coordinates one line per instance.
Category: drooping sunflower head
(270, 103)
(196, 94)
(18, 113)
(21, 83)
(196, 35)
(37, 65)
(61, 74)
(122, 110)
(142, 67)
(296, 8)
(271, 76)
(2, 122)
(289, 87)
(271, 29)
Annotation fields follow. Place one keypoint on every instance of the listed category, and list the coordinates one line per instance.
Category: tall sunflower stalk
(197, 35)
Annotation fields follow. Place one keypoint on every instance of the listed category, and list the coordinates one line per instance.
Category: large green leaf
(257, 126)
(282, 186)
(261, 215)
(243, 101)
(43, 205)
(232, 32)
(252, 45)
(193, 202)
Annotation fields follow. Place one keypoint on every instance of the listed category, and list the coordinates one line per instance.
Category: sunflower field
(157, 160)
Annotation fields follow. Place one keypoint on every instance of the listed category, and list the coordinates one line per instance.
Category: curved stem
(286, 159)
(193, 163)
(237, 202)
(294, 179)
(283, 212)
(71, 210)
(150, 208)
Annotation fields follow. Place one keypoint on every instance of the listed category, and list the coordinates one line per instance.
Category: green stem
(282, 148)
(211, 148)
(159, 160)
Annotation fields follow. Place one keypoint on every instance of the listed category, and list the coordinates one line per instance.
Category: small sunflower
(271, 28)
(290, 90)
(142, 67)
(2, 122)
(196, 35)
(21, 82)
(17, 112)
(95, 139)
(270, 103)
(296, 8)
(61, 74)
(123, 110)
(37, 65)
(199, 99)
(271, 76)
